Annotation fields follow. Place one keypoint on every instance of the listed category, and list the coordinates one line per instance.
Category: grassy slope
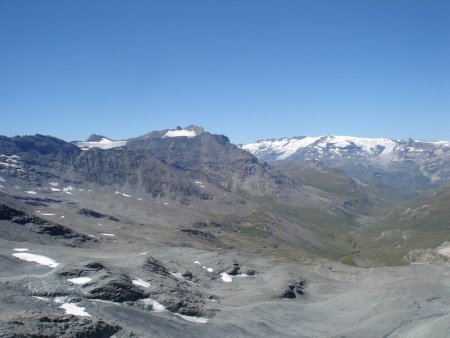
(419, 224)
(326, 228)
(289, 232)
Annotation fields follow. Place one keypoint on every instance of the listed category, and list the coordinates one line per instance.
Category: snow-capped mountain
(329, 145)
(98, 141)
(103, 142)
(415, 160)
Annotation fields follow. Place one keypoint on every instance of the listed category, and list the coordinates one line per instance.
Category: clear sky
(249, 69)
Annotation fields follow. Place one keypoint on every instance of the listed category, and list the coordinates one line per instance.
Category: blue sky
(247, 69)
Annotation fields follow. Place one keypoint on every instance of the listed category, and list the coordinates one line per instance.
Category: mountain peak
(198, 130)
(189, 131)
(96, 138)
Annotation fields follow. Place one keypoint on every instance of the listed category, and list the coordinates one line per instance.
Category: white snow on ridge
(284, 147)
(366, 144)
(441, 143)
(383, 148)
(104, 143)
(42, 260)
(180, 133)
(31, 192)
(21, 249)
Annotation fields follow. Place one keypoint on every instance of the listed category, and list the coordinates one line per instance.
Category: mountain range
(412, 164)
(159, 224)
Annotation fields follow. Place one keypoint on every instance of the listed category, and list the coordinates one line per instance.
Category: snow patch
(42, 260)
(197, 262)
(54, 184)
(177, 275)
(226, 277)
(157, 307)
(2, 179)
(42, 298)
(229, 278)
(140, 282)
(74, 309)
(31, 192)
(104, 143)
(68, 189)
(210, 269)
(10, 162)
(193, 319)
(21, 249)
(445, 251)
(48, 214)
(109, 235)
(180, 133)
(55, 189)
(79, 280)
(121, 193)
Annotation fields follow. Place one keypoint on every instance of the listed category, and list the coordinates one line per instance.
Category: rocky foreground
(145, 290)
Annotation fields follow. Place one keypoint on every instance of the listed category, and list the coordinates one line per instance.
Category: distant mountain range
(338, 147)
(412, 164)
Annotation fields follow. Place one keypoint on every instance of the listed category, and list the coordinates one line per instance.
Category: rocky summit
(180, 232)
